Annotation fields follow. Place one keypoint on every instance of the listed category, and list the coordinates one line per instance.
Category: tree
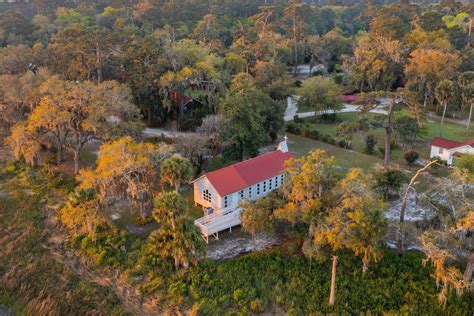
(272, 78)
(177, 238)
(20, 94)
(257, 215)
(83, 214)
(444, 92)
(85, 111)
(23, 142)
(365, 237)
(319, 94)
(426, 68)
(14, 28)
(389, 182)
(194, 147)
(251, 117)
(400, 237)
(354, 221)
(406, 126)
(50, 118)
(419, 38)
(211, 127)
(377, 62)
(466, 83)
(451, 198)
(308, 192)
(294, 12)
(176, 171)
(127, 169)
(370, 142)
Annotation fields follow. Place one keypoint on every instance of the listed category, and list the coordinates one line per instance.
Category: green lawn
(422, 146)
(345, 159)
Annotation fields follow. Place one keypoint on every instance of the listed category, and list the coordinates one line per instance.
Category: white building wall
(257, 191)
(202, 184)
(447, 154)
(442, 153)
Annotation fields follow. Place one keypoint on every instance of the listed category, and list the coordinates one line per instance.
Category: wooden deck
(212, 224)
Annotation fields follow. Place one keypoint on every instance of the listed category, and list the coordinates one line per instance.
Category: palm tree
(466, 83)
(183, 244)
(175, 171)
(444, 92)
(367, 229)
(177, 238)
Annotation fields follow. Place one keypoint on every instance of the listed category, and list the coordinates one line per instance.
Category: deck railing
(216, 222)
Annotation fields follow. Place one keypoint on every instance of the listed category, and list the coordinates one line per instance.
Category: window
(258, 189)
(226, 201)
(250, 192)
(264, 186)
(281, 179)
(270, 184)
(241, 194)
(206, 195)
(441, 150)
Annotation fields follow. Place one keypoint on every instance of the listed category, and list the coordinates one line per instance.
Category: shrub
(440, 162)
(411, 156)
(327, 118)
(297, 119)
(370, 142)
(257, 306)
(338, 78)
(346, 144)
(466, 161)
(389, 182)
(293, 128)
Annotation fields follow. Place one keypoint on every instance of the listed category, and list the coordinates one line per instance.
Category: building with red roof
(447, 149)
(220, 192)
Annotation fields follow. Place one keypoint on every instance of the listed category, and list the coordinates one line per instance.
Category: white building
(220, 192)
(448, 149)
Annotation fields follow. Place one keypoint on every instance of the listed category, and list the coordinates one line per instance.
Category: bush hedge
(300, 286)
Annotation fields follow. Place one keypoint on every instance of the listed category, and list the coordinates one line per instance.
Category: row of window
(273, 182)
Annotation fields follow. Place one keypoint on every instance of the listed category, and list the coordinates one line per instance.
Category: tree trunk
(388, 134)
(445, 105)
(296, 44)
(468, 271)
(77, 160)
(365, 265)
(98, 58)
(332, 295)
(404, 205)
(470, 116)
(425, 100)
(60, 153)
(176, 262)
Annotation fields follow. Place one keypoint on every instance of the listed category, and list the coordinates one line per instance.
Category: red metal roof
(248, 172)
(449, 144)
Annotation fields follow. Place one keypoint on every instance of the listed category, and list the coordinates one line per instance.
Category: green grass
(422, 146)
(345, 159)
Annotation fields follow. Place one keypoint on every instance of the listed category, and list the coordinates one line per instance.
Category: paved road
(161, 132)
(291, 109)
